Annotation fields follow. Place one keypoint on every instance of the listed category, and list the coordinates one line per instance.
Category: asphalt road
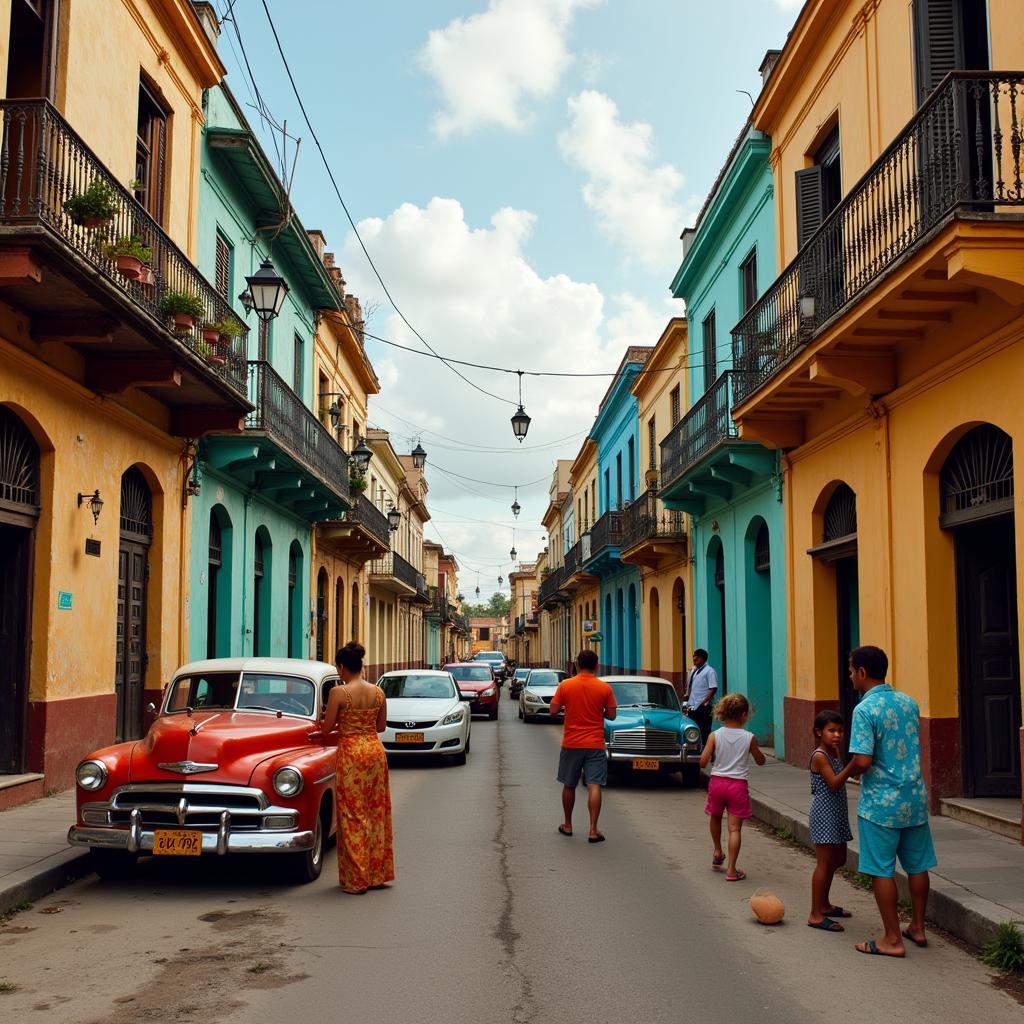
(494, 917)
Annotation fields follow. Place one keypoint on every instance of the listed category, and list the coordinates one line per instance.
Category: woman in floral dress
(358, 710)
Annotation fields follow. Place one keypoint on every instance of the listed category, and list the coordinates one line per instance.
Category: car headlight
(489, 692)
(454, 718)
(91, 775)
(531, 697)
(287, 782)
(691, 734)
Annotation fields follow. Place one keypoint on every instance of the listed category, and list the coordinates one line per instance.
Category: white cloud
(635, 199)
(490, 65)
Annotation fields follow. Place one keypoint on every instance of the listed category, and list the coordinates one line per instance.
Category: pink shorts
(730, 796)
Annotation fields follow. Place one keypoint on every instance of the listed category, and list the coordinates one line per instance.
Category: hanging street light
(246, 300)
(419, 456)
(362, 454)
(394, 518)
(520, 421)
(500, 581)
(516, 507)
(268, 289)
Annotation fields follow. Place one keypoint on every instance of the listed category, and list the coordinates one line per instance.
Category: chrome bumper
(136, 839)
(688, 756)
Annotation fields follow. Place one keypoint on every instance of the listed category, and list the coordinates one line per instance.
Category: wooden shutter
(222, 267)
(938, 42)
(710, 353)
(809, 210)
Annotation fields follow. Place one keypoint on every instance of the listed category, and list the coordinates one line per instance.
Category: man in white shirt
(701, 691)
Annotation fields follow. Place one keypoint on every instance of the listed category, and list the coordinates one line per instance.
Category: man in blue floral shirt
(892, 814)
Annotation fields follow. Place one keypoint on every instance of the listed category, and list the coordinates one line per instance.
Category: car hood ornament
(187, 767)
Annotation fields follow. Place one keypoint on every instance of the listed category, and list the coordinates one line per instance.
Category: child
(829, 818)
(731, 746)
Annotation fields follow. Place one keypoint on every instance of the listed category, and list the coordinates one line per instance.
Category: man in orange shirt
(588, 702)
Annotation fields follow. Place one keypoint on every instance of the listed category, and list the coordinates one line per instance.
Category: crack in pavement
(525, 1009)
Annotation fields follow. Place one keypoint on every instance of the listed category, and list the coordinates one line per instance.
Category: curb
(44, 877)
(952, 907)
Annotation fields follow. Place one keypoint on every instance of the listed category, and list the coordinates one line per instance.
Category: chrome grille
(645, 741)
(429, 724)
(189, 805)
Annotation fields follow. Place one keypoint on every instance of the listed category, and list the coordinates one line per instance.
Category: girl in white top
(731, 746)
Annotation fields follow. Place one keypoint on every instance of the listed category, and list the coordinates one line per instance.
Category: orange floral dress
(363, 795)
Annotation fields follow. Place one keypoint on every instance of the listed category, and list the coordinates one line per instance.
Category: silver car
(538, 689)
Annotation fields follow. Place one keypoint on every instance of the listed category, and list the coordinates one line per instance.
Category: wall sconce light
(807, 305)
(394, 518)
(93, 502)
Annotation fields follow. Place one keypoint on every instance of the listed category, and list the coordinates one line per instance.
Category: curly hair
(732, 705)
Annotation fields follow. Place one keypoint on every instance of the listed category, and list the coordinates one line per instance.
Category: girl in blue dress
(829, 818)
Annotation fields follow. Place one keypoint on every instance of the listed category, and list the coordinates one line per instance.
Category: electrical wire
(490, 483)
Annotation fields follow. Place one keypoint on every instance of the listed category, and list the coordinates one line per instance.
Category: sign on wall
(63, 601)
(589, 627)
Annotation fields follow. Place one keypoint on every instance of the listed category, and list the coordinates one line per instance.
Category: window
(151, 153)
(222, 267)
(675, 410)
(710, 354)
(748, 281)
(356, 435)
(949, 35)
(818, 188)
(607, 489)
(618, 480)
(593, 499)
(631, 469)
(297, 365)
(652, 445)
(485, 632)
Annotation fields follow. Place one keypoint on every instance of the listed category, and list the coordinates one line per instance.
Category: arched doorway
(717, 651)
(321, 614)
(132, 585)
(339, 613)
(654, 629)
(976, 484)
(295, 600)
(680, 657)
(632, 620)
(758, 618)
(218, 585)
(355, 611)
(19, 512)
(618, 648)
(262, 591)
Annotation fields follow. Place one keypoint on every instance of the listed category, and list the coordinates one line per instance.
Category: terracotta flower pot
(216, 359)
(146, 276)
(183, 322)
(94, 222)
(211, 336)
(129, 267)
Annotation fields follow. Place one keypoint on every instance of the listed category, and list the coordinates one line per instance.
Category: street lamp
(93, 502)
(246, 300)
(419, 456)
(394, 518)
(362, 454)
(520, 421)
(807, 306)
(268, 290)
(516, 507)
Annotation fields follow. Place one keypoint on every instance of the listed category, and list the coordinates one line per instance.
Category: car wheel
(492, 715)
(112, 865)
(468, 738)
(690, 775)
(306, 866)
(459, 758)
(520, 714)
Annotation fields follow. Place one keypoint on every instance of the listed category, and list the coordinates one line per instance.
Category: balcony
(703, 460)
(551, 589)
(290, 455)
(362, 535)
(605, 541)
(651, 533)
(899, 262)
(394, 573)
(54, 270)
(575, 558)
(520, 625)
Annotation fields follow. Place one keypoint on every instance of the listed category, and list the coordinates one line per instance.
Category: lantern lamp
(394, 518)
(93, 502)
(419, 456)
(362, 454)
(268, 289)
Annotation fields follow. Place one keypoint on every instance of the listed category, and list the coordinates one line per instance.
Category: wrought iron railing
(422, 590)
(573, 561)
(43, 163)
(644, 520)
(394, 565)
(607, 533)
(282, 416)
(367, 515)
(550, 585)
(961, 150)
(706, 425)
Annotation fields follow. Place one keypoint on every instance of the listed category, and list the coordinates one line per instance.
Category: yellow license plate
(648, 764)
(409, 737)
(185, 843)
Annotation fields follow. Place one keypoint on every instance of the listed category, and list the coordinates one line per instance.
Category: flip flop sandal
(562, 830)
(837, 912)
(595, 839)
(827, 925)
(920, 943)
(738, 877)
(871, 949)
(717, 862)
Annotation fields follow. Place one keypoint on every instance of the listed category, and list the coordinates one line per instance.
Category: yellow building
(584, 588)
(100, 396)
(887, 358)
(554, 601)
(524, 642)
(655, 538)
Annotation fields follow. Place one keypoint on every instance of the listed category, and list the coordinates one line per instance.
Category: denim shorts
(880, 846)
(590, 763)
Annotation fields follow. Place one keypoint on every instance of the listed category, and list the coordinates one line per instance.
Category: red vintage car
(476, 683)
(235, 762)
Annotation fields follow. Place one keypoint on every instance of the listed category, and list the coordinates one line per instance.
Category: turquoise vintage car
(650, 733)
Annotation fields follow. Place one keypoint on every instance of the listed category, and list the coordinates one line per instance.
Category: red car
(235, 762)
(477, 684)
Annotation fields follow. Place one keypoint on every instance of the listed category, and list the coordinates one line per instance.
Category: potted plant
(210, 353)
(357, 483)
(184, 308)
(93, 207)
(146, 276)
(129, 254)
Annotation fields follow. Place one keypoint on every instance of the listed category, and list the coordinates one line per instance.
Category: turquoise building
(616, 432)
(262, 489)
(731, 487)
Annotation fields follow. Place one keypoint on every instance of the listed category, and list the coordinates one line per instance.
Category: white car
(538, 689)
(426, 714)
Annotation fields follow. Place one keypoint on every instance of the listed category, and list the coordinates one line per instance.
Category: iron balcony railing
(283, 417)
(422, 590)
(645, 521)
(367, 515)
(520, 624)
(707, 424)
(573, 561)
(550, 585)
(607, 533)
(394, 565)
(962, 150)
(43, 163)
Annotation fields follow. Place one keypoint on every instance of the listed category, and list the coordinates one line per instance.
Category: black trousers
(702, 718)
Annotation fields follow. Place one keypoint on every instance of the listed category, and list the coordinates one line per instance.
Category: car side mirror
(151, 708)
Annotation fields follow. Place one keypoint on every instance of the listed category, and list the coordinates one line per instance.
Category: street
(493, 917)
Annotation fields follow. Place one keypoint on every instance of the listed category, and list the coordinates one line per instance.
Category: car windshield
(522, 673)
(645, 695)
(253, 691)
(551, 678)
(471, 673)
(489, 656)
(417, 685)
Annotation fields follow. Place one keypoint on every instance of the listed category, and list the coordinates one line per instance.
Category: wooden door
(131, 658)
(15, 602)
(990, 698)
(848, 633)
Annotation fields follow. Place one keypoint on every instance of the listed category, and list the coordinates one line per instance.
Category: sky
(520, 172)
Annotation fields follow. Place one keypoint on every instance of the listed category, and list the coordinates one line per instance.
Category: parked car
(497, 661)
(650, 732)
(537, 691)
(235, 762)
(477, 684)
(426, 714)
(518, 679)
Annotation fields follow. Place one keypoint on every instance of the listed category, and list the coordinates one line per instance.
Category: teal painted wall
(433, 644)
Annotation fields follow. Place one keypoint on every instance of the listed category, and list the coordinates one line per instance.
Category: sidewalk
(34, 854)
(978, 884)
